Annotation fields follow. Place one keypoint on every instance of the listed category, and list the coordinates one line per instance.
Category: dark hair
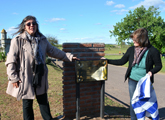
(141, 37)
(21, 27)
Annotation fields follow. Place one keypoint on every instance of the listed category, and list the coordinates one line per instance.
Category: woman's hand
(150, 73)
(102, 58)
(16, 84)
(75, 58)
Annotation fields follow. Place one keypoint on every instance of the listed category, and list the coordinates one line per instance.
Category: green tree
(1, 49)
(142, 18)
(2, 56)
(53, 41)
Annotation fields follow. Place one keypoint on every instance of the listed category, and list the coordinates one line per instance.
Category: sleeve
(56, 53)
(121, 61)
(11, 61)
(157, 61)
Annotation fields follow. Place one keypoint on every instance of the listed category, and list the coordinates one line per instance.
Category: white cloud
(55, 19)
(119, 6)
(108, 27)
(109, 3)
(119, 12)
(11, 30)
(83, 38)
(14, 13)
(94, 39)
(148, 3)
(163, 9)
(98, 24)
(62, 29)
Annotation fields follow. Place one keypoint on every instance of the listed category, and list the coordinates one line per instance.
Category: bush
(2, 56)
(48, 60)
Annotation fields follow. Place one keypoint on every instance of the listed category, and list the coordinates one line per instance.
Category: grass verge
(126, 65)
(11, 109)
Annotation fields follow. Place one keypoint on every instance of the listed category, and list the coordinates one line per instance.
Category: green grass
(114, 108)
(114, 49)
(114, 54)
(11, 109)
(163, 63)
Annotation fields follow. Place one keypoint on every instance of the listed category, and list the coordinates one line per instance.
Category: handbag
(38, 72)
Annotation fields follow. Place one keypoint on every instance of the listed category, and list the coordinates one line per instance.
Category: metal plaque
(91, 70)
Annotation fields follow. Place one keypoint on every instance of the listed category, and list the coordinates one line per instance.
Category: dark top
(152, 59)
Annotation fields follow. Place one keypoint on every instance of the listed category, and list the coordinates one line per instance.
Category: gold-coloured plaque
(91, 70)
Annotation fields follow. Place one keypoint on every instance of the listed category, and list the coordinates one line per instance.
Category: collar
(24, 36)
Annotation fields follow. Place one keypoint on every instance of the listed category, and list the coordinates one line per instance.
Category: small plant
(48, 60)
(2, 56)
(57, 114)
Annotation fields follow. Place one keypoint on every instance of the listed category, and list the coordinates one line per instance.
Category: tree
(2, 56)
(142, 18)
(53, 41)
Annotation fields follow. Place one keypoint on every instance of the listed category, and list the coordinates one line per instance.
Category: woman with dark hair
(22, 26)
(26, 68)
(143, 58)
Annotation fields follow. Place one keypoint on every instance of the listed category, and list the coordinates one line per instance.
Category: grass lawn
(11, 109)
(112, 52)
(126, 65)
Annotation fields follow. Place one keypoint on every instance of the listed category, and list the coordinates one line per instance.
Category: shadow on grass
(117, 112)
(56, 67)
(116, 108)
(117, 100)
(96, 117)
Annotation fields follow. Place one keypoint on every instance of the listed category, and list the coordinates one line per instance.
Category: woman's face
(31, 27)
(136, 44)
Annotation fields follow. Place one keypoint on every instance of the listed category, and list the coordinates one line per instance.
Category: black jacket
(152, 59)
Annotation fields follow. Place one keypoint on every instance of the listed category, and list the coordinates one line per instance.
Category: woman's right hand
(103, 58)
(16, 84)
(75, 58)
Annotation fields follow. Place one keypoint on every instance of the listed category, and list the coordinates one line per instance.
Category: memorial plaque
(91, 70)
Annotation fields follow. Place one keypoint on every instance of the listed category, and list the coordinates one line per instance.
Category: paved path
(118, 90)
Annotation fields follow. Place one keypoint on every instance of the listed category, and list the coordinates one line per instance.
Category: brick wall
(89, 92)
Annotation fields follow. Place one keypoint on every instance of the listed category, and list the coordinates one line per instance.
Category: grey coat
(19, 63)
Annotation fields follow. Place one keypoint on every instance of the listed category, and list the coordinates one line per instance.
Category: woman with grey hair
(26, 68)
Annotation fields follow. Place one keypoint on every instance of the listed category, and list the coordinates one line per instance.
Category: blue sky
(84, 21)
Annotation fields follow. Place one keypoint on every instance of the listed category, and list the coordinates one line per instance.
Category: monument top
(3, 31)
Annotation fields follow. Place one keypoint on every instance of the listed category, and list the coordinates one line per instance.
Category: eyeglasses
(29, 23)
(134, 39)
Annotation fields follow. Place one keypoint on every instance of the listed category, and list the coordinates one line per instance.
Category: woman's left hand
(150, 73)
(75, 58)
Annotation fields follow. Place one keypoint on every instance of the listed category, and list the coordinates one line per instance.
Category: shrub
(48, 60)
(2, 56)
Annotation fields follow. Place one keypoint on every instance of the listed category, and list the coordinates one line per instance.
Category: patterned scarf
(139, 52)
(36, 48)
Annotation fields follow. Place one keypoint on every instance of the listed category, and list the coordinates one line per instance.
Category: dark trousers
(43, 104)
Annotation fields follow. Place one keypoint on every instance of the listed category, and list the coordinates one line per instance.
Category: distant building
(4, 42)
